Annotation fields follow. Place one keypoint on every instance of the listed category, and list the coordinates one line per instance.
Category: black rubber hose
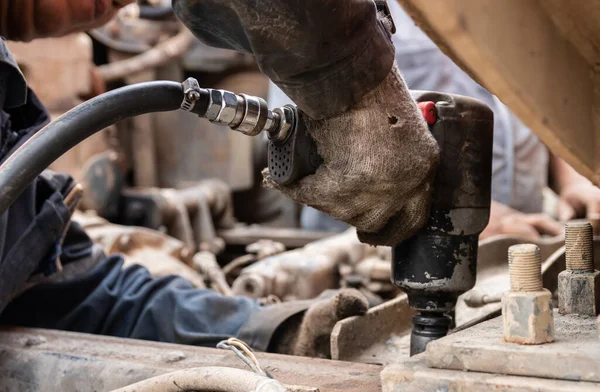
(55, 139)
(155, 13)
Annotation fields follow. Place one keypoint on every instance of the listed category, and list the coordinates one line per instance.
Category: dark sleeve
(324, 54)
(131, 303)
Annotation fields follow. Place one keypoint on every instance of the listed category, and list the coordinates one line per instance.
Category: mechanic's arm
(335, 59)
(506, 220)
(25, 20)
(312, 49)
(578, 197)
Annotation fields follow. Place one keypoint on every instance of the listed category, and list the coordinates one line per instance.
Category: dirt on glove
(379, 165)
(308, 334)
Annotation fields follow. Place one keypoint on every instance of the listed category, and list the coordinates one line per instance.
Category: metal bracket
(191, 94)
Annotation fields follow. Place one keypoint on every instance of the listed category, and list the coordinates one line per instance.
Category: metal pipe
(162, 54)
(207, 379)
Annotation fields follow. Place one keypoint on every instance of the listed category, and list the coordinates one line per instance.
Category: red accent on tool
(428, 111)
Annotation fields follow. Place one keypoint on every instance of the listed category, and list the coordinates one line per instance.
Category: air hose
(246, 114)
(48, 144)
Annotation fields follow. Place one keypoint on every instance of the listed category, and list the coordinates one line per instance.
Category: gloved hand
(24, 20)
(308, 334)
(379, 164)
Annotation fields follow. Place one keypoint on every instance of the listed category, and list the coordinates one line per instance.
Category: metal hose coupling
(244, 113)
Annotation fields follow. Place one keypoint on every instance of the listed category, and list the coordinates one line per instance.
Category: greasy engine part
(160, 254)
(163, 53)
(440, 262)
(206, 264)
(302, 273)
(190, 214)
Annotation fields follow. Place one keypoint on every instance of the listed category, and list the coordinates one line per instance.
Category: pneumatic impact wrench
(439, 263)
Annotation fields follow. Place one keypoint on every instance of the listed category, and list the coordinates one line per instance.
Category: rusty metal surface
(575, 355)
(36, 359)
(301, 273)
(160, 254)
(413, 375)
(492, 274)
(378, 337)
(291, 238)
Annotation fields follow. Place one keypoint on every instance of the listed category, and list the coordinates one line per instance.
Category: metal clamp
(191, 94)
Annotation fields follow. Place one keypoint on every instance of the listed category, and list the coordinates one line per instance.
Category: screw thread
(579, 246)
(525, 268)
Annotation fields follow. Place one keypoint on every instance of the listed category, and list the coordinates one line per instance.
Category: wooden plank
(514, 49)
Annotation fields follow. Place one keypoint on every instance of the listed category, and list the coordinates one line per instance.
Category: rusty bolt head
(527, 317)
(579, 292)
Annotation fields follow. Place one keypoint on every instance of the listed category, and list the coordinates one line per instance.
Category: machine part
(265, 248)
(374, 337)
(527, 307)
(206, 264)
(302, 273)
(493, 277)
(476, 299)
(374, 269)
(201, 149)
(414, 375)
(104, 182)
(160, 254)
(287, 116)
(190, 214)
(427, 327)
(256, 251)
(292, 154)
(575, 355)
(130, 35)
(290, 238)
(207, 379)
(439, 263)
(165, 52)
(89, 363)
(579, 284)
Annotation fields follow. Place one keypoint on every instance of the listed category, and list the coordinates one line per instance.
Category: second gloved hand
(379, 164)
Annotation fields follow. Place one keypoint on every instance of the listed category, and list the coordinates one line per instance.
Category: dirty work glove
(308, 334)
(379, 164)
(24, 20)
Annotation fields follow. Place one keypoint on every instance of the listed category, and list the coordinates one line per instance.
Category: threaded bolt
(579, 246)
(525, 268)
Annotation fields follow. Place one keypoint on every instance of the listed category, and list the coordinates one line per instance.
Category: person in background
(522, 165)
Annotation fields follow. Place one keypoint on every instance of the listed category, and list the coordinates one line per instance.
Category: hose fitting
(244, 113)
